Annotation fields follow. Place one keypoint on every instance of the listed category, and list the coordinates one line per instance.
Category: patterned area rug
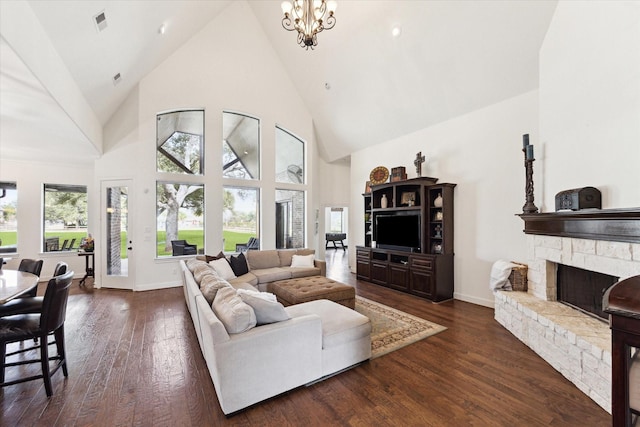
(393, 329)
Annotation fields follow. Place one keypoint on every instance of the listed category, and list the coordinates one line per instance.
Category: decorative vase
(437, 202)
(384, 202)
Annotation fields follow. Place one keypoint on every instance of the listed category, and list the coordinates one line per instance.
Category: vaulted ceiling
(362, 85)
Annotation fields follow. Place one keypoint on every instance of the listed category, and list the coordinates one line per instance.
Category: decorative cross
(418, 163)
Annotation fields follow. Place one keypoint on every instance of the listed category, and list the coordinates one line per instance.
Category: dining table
(14, 283)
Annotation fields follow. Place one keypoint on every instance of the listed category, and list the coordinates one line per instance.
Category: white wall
(481, 152)
(590, 101)
(30, 178)
(229, 65)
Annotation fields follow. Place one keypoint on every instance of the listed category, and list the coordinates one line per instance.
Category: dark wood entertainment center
(415, 250)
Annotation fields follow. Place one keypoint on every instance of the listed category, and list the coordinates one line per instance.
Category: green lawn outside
(194, 237)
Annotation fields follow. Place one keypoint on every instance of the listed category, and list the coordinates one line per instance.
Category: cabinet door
(379, 273)
(363, 270)
(422, 282)
(398, 277)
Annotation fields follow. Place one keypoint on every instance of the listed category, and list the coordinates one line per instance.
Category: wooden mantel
(615, 225)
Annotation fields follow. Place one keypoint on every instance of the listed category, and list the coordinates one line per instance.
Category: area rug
(393, 329)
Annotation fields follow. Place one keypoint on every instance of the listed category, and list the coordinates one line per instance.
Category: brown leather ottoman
(304, 289)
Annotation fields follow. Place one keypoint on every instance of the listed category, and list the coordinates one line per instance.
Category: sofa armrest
(322, 265)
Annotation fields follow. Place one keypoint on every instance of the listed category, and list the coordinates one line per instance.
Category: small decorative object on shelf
(437, 216)
(438, 233)
(87, 244)
(384, 202)
(398, 174)
(379, 175)
(420, 159)
(527, 149)
(436, 248)
(437, 202)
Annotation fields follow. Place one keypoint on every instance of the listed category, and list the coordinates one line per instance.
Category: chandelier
(308, 17)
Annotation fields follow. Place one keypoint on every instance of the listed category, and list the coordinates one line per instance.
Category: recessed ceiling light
(327, 86)
(162, 29)
(396, 31)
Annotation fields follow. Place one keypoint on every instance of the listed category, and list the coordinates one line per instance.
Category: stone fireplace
(574, 343)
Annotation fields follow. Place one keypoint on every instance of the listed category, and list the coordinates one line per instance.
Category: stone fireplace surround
(575, 344)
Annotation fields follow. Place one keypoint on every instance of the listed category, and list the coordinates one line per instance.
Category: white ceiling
(451, 58)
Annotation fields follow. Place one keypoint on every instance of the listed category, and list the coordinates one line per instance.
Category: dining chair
(34, 267)
(50, 321)
(33, 304)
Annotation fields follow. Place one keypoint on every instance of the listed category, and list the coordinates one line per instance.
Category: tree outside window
(65, 216)
(240, 216)
(179, 215)
(180, 142)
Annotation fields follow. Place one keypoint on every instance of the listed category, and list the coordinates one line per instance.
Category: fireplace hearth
(577, 345)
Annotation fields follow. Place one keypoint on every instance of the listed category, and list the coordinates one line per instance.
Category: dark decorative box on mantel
(579, 198)
(614, 225)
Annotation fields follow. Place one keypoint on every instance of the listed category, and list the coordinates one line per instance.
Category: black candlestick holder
(528, 207)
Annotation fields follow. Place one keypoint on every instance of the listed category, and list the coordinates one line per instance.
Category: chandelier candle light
(527, 149)
(308, 18)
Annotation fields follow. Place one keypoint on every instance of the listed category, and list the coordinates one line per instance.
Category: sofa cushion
(244, 285)
(210, 286)
(236, 315)
(239, 265)
(202, 270)
(262, 259)
(305, 251)
(223, 268)
(265, 305)
(285, 256)
(267, 275)
(302, 260)
(192, 263)
(249, 278)
(297, 272)
(340, 324)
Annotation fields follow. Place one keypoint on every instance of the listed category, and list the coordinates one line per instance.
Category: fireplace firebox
(583, 289)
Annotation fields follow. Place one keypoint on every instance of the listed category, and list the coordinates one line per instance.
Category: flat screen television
(399, 231)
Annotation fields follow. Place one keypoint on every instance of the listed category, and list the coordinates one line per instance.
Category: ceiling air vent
(100, 21)
(116, 79)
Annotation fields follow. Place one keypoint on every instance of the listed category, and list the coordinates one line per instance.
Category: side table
(89, 266)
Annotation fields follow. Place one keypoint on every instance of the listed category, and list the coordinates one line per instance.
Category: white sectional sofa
(319, 339)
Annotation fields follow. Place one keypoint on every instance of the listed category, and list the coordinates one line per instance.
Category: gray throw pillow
(265, 306)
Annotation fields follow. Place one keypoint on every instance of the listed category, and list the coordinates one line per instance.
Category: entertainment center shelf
(409, 238)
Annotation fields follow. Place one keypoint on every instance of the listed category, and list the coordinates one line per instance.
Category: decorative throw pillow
(265, 305)
(202, 270)
(302, 261)
(239, 265)
(222, 267)
(192, 263)
(236, 315)
(210, 286)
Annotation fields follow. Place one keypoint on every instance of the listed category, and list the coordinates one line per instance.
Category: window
(337, 220)
(240, 146)
(289, 158)
(290, 214)
(8, 217)
(180, 141)
(179, 216)
(65, 216)
(240, 217)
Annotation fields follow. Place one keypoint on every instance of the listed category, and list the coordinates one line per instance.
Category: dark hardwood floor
(134, 360)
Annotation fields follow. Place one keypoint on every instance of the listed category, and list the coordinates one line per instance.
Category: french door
(117, 246)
